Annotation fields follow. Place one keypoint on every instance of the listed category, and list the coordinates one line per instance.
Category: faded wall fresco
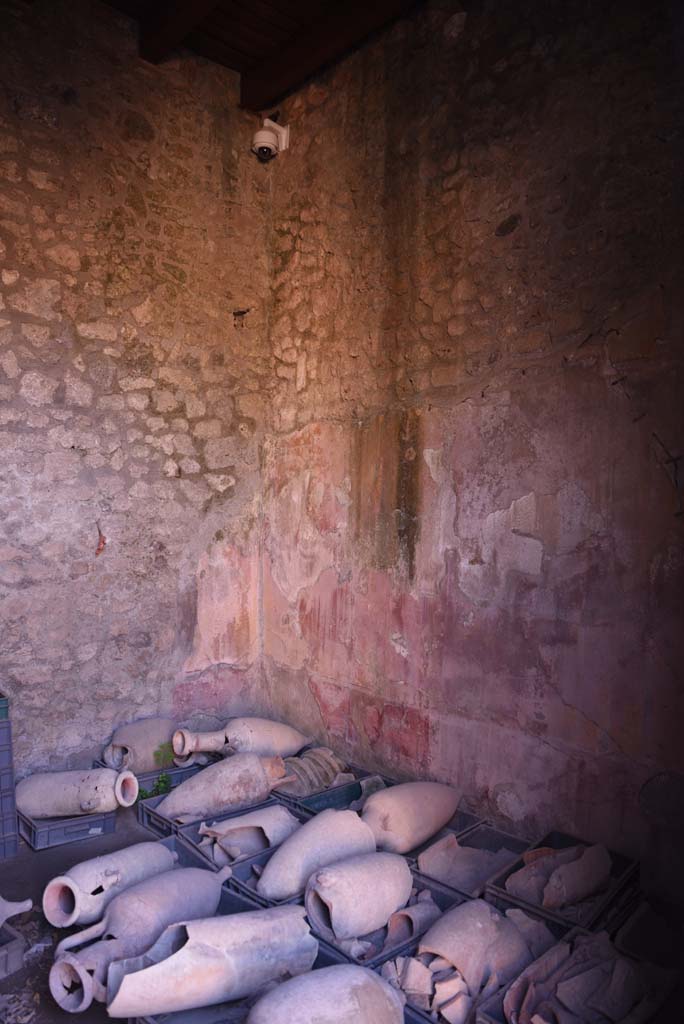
(472, 550)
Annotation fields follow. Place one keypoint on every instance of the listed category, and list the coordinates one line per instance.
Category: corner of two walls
(471, 548)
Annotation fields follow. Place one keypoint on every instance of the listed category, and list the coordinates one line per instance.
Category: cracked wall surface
(473, 560)
(134, 365)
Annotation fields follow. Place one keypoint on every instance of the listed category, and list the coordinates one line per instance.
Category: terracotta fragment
(529, 882)
(581, 878)
(405, 924)
(356, 896)
(131, 923)
(10, 908)
(80, 895)
(66, 794)
(141, 746)
(249, 833)
(231, 784)
(561, 878)
(344, 994)
(243, 736)
(200, 963)
(587, 981)
(402, 817)
(315, 770)
(328, 837)
(487, 949)
(463, 867)
(535, 933)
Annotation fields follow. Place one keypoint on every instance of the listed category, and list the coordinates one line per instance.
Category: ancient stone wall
(381, 437)
(473, 530)
(134, 375)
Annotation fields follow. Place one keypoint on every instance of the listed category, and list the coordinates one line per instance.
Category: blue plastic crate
(8, 824)
(4, 706)
(12, 946)
(7, 802)
(7, 780)
(43, 833)
(9, 846)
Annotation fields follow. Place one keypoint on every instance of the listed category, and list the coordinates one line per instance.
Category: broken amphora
(328, 837)
(404, 816)
(200, 963)
(344, 994)
(314, 770)
(141, 746)
(484, 946)
(243, 736)
(81, 894)
(63, 794)
(247, 834)
(237, 782)
(132, 922)
(10, 908)
(356, 896)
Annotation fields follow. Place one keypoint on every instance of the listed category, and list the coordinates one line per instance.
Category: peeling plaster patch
(433, 461)
(503, 537)
(400, 645)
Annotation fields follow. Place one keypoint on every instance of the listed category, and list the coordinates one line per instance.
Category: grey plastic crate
(12, 946)
(446, 899)
(234, 1012)
(9, 846)
(5, 732)
(7, 780)
(150, 817)
(186, 855)
(244, 880)
(485, 837)
(590, 911)
(191, 833)
(43, 833)
(6, 754)
(337, 797)
(148, 780)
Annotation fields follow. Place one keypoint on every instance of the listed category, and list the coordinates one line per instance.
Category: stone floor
(25, 997)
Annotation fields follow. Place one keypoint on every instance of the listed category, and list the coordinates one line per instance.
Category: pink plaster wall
(517, 649)
(472, 557)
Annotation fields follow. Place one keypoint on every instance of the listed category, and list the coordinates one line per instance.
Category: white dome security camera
(270, 140)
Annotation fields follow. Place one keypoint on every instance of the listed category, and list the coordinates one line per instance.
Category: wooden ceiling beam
(331, 37)
(167, 28)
